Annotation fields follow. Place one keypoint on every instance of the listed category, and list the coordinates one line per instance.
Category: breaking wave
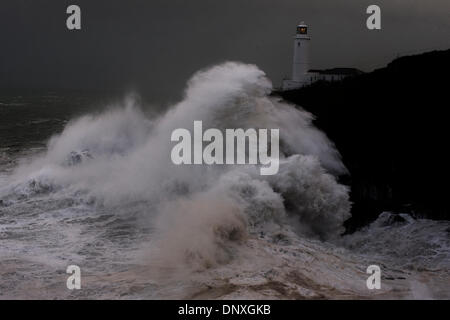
(122, 156)
(110, 175)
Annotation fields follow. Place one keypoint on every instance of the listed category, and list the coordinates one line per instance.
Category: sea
(87, 181)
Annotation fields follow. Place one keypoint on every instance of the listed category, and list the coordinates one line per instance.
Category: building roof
(338, 71)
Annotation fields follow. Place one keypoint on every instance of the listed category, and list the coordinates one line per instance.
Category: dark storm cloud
(154, 46)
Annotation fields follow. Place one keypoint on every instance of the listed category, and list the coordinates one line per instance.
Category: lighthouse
(300, 64)
(301, 74)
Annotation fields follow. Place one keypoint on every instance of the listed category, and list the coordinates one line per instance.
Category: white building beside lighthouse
(302, 75)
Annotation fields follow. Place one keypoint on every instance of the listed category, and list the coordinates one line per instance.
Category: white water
(105, 196)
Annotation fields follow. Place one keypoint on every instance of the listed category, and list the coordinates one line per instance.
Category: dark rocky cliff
(392, 129)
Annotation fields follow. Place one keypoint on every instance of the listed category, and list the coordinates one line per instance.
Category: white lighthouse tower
(300, 65)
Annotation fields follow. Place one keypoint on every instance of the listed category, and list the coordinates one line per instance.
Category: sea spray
(211, 208)
(105, 196)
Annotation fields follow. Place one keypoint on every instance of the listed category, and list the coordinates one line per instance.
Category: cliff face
(392, 129)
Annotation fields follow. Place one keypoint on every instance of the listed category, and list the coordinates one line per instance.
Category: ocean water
(98, 190)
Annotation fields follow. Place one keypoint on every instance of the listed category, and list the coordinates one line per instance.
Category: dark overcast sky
(154, 46)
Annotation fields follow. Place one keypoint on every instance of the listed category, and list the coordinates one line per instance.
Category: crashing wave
(123, 201)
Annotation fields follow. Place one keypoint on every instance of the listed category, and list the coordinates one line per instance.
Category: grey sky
(154, 46)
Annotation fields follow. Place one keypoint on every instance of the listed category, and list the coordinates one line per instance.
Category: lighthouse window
(302, 30)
